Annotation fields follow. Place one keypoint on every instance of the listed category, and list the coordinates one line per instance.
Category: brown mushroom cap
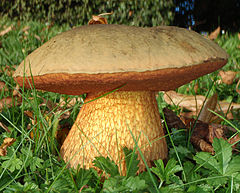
(104, 57)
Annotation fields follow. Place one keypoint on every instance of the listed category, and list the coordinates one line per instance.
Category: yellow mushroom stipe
(103, 128)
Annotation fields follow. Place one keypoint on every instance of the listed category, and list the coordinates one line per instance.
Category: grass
(32, 164)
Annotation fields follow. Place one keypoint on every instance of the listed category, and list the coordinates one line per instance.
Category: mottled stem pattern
(103, 128)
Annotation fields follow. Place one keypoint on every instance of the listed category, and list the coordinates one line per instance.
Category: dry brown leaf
(239, 36)
(70, 103)
(237, 87)
(228, 76)
(189, 115)
(8, 70)
(16, 91)
(26, 33)
(6, 143)
(3, 86)
(203, 135)
(229, 116)
(29, 114)
(205, 115)
(224, 106)
(216, 131)
(130, 13)
(4, 127)
(209, 132)
(18, 23)
(34, 134)
(5, 31)
(214, 34)
(34, 122)
(195, 88)
(202, 145)
(199, 137)
(189, 102)
(172, 120)
(8, 102)
(97, 19)
(26, 28)
(235, 139)
(37, 37)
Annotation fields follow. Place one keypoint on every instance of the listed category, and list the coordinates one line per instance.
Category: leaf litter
(202, 129)
(6, 143)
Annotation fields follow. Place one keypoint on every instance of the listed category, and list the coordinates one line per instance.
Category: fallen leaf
(203, 135)
(195, 88)
(26, 33)
(16, 91)
(217, 131)
(37, 37)
(130, 13)
(214, 34)
(4, 127)
(229, 116)
(224, 106)
(6, 143)
(239, 36)
(18, 23)
(192, 103)
(234, 140)
(69, 103)
(227, 77)
(202, 145)
(26, 28)
(29, 114)
(5, 31)
(172, 120)
(237, 87)
(8, 102)
(3, 86)
(8, 70)
(205, 115)
(189, 115)
(97, 19)
(35, 133)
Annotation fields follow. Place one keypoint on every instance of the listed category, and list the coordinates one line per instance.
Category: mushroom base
(106, 125)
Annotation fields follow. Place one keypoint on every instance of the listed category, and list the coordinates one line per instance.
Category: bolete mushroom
(139, 61)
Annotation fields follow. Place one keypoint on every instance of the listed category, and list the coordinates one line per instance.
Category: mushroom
(136, 62)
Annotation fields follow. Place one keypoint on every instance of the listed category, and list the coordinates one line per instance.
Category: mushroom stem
(103, 128)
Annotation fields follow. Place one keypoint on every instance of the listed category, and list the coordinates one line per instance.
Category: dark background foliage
(201, 15)
(208, 14)
(135, 12)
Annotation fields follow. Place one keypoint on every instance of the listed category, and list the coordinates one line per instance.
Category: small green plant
(167, 174)
(117, 183)
(222, 169)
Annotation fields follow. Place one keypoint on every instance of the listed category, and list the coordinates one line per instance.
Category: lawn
(37, 122)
